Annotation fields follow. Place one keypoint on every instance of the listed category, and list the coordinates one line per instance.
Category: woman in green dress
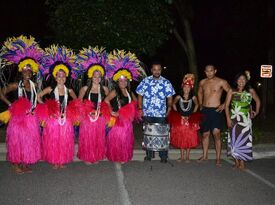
(239, 113)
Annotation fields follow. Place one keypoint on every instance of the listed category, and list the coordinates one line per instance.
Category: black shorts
(211, 119)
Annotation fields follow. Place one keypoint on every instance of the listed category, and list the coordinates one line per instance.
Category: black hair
(118, 91)
(20, 74)
(53, 82)
(235, 85)
(20, 77)
(211, 65)
(90, 85)
(191, 93)
(156, 62)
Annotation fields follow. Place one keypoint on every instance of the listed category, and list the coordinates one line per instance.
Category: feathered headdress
(93, 59)
(60, 58)
(188, 79)
(125, 65)
(22, 51)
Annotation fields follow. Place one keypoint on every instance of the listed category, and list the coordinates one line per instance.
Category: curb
(139, 154)
(259, 152)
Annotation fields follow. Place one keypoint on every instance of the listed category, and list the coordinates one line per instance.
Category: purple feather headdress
(125, 65)
(93, 59)
(60, 58)
(22, 51)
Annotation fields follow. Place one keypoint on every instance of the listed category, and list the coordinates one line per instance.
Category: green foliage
(256, 134)
(139, 26)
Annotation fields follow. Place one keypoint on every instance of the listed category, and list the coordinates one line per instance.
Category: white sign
(266, 71)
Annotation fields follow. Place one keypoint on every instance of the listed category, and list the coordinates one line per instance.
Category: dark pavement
(140, 183)
(77, 184)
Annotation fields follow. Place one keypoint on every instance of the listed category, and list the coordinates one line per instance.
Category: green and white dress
(240, 139)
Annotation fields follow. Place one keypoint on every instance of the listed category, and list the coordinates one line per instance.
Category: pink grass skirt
(92, 140)
(58, 142)
(23, 140)
(120, 142)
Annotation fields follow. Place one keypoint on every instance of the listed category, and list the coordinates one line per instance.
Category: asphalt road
(140, 183)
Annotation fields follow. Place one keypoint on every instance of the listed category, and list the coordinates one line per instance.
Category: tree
(139, 26)
(183, 32)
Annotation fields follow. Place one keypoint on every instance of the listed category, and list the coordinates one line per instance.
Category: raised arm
(106, 90)
(109, 97)
(4, 99)
(257, 101)
(133, 96)
(40, 95)
(5, 90)
(72, 94)
(225, 86)
(82, 92)
(195, 100)
(227, 106)
(175, 101)
(11, 87)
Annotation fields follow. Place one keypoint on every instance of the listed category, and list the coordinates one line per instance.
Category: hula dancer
(56, 115)
(185, 122)
(120, 139)
(23, 138)
(92, 137)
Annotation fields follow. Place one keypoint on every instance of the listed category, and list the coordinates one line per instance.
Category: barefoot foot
(202, 159)
(26, 169)
(18, 170)
(56, 167)
(242, 168)
(218, 163)
(180, 160)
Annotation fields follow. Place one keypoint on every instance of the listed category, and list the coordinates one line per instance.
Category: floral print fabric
(240, 139)
(155, 92)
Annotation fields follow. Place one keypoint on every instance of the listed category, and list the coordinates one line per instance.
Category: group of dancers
(104, 117)
(41, 122)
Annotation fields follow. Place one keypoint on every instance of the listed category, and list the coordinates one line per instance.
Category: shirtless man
(209, 96)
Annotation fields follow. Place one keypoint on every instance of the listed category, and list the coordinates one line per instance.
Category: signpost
(266, 72)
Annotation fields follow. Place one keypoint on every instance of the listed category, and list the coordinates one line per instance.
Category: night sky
(234, 35)
(231, 34)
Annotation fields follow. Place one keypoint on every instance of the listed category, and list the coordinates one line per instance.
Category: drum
(156, 136)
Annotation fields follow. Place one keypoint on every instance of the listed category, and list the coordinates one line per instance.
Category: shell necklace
(94, 118)
(62, 116)
(22, 92)
(189, 105)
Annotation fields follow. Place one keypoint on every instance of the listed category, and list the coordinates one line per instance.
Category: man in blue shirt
(155, 102)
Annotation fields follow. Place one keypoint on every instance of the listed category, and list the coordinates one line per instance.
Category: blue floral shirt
(154, 94)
